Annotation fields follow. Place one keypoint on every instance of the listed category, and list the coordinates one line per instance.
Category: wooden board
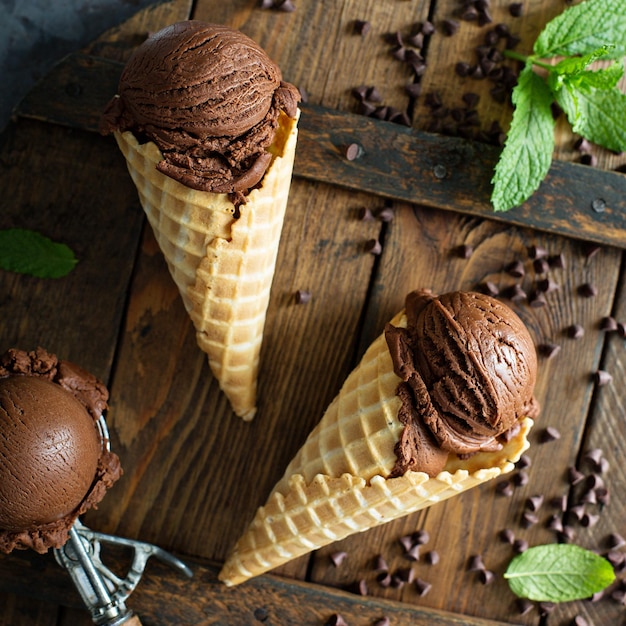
(194, 473)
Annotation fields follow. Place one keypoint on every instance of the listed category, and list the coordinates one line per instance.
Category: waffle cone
(335, 485)
(222, 265)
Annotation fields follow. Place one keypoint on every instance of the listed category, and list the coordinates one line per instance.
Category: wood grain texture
(194, 473)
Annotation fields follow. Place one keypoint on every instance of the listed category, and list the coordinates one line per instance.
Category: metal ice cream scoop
(103, 592)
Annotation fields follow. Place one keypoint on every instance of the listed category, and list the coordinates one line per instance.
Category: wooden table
(194, 473)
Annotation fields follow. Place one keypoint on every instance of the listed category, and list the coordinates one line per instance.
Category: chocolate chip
(420, 537)
(574, 476)
(507, 536)
(360, 587)
(490, 288)
(550, 434)
(548, 350)
(413, 553)
(601, 378)
(516, 268)
(615, 540)
(386, 214)
(603, 496)
(475, 563)
(608, 324)
(380, 564)
(537, 252)
(524, 462)
(449, 27)
(516, 9)
(362, 27)
(546, 607)
(266, 4)
(560, 502)
(413, 89)
(428, 28)
(416, 40)
(338, 558)
(287, 6)
(537, 300)
(464, 251)
(524, 605)
(504, 488)
(261, 614)
(579, 620)
(405, 574)
(547, 285)
(384, 579)
(302, 297)
(541, 266)
(577, 511)
(373, 95)
(406, 541)
(336, 620)
(589, 519)
(534, 502)
(422, 587)
(520, 545)
(432, 557)
(486, 576)
(373, 246)
(555, 523)
(567, 533)
(471, 99)
(365, 214)
(515, 293)
(383, 621)
(462, 69)
(529, 519)
(575, 331)
(590, 250)
(557, 261)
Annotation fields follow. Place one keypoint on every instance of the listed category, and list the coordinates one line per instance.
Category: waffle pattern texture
(336, 484)
(222, 265)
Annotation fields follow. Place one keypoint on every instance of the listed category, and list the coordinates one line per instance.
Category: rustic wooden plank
(397, 162)
(24, 611)
(163, 597)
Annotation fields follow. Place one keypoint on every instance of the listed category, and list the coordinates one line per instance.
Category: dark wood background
(194, 473)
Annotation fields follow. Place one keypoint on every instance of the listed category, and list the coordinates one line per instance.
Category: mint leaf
(558, 572)
(596, 114)
(585, 27)
(28, 252)
(527, 153)
(575, 68)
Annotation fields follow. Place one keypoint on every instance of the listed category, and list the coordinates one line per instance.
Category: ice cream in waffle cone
(365, 463)
(210, 148)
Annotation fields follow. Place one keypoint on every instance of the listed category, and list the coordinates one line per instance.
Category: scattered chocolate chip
(574, 476)
(490, 288)
(302, 297)
(589, 519)
(338, 558)
(545, 608)
(360, 587)
(413, 553)
(428, 28)
(537, 252)
(432, 557)
(520, 545)
(373, 246)
(554, 522)
(386, 214)
(577, 511)
(475, 563)
(550, 434)
(621, 329)
(383, 621)
(507, 536)
(380, 564)
(405, 574)
(567, 533)
(524, 462)
(548, 350)
(449, 27)
(362, 27)
(556, 261)
(353, 151)
(406, 541)
(504, 488)
(593, 457)
(336, 620)
(470, 13)
(589, 497)
(608, 323)
(413, 89)
(547, 285)
(519, 479)
(601, 378)
(541, 266)
(537, 300)
(464, 251)
(590, 250)
(486, 576)
(420, 537)
(266, 4)
(615, 557)
(287, 6)
(516, 9)
(516, 268)
(524, 605)
(615, 540)
(515, 293)
(575, 331)
(365, 214)
(579, 620)
(559, 502)
(529, 519)
(534, 502)
(384, 579)
(396, 582)
(422, 587)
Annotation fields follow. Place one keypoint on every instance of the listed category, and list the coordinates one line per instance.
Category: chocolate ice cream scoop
(210, 98)
(468, 366)
(49, 451)
(54, 464)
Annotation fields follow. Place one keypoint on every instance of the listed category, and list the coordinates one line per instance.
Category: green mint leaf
(527, 153)
(558, 572)
(28, 252)
(585, 27)
(596, 114)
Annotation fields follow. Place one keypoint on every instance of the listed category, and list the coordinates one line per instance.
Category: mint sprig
(595, 107)
(28, 252)
(558, 572)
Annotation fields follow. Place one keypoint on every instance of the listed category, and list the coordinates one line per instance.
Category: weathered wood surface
(194, 473)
